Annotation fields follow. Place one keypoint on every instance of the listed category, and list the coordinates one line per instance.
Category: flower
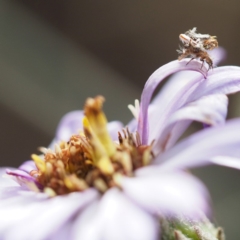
(94, 188)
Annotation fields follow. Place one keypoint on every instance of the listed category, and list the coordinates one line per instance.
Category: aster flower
(92, 187)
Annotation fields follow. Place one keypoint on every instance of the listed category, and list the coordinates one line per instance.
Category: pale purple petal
(153, 82)
(178, 129)
(14, 208)
(225, 80)
(22, 177)
(211, 109)
(28, 166)
(201, 147)
(70, 124)
(132, 125)
(175, 98)
(124, 219)
(177, 80)
(113, 128)
(226, 161)
(218, 55)
(10, 191)
(42, 218)
(175, 94)
(63, 233)
(87, 225)
(168, 193)
(116, 217)
(5, 180)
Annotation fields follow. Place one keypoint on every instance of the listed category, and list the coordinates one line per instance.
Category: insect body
(196, 45)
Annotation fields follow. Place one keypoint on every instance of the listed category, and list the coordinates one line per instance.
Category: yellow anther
(98, 122)
(126, 161)
(74, 183)
(39, 163)
(68, 183)
(100, 185)
(117, 178)
(105, 165)
(50, 192)
(99, 150)
(147, 157)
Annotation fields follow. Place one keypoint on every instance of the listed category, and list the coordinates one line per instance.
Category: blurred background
(55, 54)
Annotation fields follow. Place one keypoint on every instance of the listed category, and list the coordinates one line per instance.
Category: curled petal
(175, 94)
(153, 82)
(201, 147)
(168, 193)
(171, 99)
(178, 80)
(23, 178)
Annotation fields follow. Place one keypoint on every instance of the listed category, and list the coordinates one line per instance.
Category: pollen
(91, 159)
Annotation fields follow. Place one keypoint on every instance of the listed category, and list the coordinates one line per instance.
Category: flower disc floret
(90, 158)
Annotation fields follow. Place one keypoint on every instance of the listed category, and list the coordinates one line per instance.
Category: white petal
(171, 98)
(211, 110)
(132, 125)
(70, 124)
(125, 220)
(225, 80)
(87, 224)
(226, 161)
(176, 132)
(113, 128)
(168, 193)
(5, 180)
(116, 217)
(43, 218)
(28, 166)
(201, 147)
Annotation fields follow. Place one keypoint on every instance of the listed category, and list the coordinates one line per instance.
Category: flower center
(91, 158)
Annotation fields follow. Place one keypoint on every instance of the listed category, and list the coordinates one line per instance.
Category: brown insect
(196, 45)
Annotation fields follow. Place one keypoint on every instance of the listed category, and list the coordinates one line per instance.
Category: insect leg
(189, 61)
(202, 62)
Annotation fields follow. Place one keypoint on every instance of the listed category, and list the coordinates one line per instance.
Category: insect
(196, 45)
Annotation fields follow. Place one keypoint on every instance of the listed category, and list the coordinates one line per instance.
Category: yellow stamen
(98, 123)
(98, 147)
(72, 183)
(39, 162)
(100, 185)
(50, 192)
(105, 165)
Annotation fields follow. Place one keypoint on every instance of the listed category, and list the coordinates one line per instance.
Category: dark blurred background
(54, 54)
